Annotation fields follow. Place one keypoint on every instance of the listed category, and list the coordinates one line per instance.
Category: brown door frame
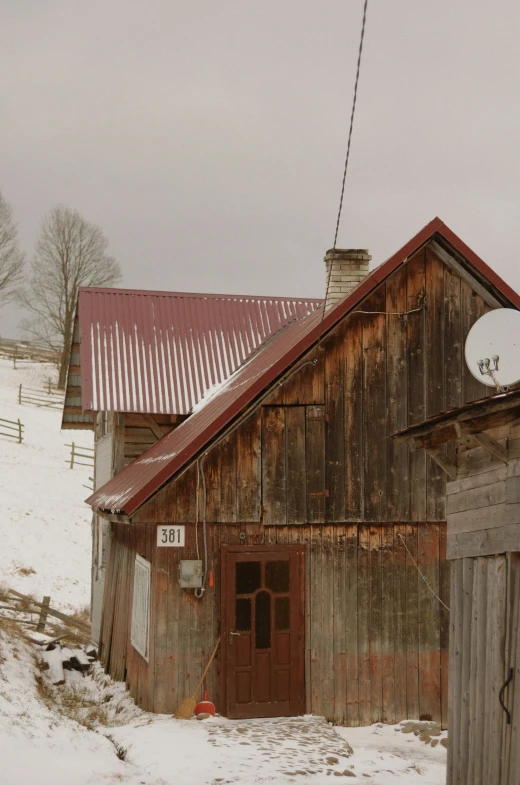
(224, 551)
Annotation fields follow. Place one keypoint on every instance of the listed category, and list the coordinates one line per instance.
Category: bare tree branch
(11, 257)
(70, 253)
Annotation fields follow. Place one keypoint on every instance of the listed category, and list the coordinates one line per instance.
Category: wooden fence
(12, 429)
(27, 351)
(87, 453)
(43, 397)
(20, 605)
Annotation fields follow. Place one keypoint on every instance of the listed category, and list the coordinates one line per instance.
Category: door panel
(262, 614)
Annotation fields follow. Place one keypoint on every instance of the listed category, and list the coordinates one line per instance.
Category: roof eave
(376, 277)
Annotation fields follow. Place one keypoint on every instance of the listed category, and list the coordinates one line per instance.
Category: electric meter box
(190, 574)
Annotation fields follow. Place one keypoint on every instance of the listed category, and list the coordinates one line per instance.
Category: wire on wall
(425, 579)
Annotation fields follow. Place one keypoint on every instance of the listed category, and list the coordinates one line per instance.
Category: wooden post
(72, 456)
(14, 360)
(49, 385)
(19, 431)
(20, 394)
(40, 627)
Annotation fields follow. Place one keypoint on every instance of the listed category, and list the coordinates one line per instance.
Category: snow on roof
(138, 481)
(161, 352)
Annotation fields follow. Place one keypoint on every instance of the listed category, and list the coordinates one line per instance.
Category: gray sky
(207, 138)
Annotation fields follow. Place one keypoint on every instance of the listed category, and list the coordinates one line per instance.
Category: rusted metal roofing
(127, 490)
(159, 352)
(134, 485)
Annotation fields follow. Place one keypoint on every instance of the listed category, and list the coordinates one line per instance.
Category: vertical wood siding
(326, 431)
(373, 641)
(478, 658)
(484, 645)
(314, 466)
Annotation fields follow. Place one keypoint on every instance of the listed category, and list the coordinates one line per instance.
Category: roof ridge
(198, 295)
(128, 490)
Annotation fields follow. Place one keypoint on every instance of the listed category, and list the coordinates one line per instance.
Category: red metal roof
(159, 352)
(134, 485)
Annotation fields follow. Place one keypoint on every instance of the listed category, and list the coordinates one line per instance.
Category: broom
(187, 707)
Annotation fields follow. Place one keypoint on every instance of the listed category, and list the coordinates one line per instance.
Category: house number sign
(170, 536)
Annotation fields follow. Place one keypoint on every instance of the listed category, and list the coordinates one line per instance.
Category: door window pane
(243, 614)
(281, 613)
(247, 577)
(263, 620)
(277, 576)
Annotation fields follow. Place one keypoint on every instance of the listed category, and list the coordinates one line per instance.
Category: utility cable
(425, 579)
(347, 156)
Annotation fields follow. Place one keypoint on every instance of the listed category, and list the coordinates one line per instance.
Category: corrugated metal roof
(159, 352)
(135, 484)
(127, 490)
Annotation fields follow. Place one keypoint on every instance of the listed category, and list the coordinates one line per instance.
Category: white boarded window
(141, 607)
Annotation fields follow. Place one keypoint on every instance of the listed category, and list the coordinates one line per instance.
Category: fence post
(14, 359)
(20, 395)
(72, 456)
(40, 627)
(19, 431)
(49, 385)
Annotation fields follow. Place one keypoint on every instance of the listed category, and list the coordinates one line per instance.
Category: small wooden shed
(311, 521)
(478, 446)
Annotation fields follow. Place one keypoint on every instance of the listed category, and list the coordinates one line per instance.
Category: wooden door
(263, 631)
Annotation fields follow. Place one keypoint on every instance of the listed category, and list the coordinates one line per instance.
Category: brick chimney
(349, 267)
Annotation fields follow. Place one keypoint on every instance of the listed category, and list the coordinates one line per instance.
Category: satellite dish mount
(486, 369)
(492, 348)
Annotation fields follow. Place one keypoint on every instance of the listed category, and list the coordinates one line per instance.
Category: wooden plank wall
(141, 432)
(375, 374)
(374, 637)
(316, 464)
(511, 741)
(483, 503)
(480, 599)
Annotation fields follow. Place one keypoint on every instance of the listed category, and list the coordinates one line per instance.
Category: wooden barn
(482, 463)
(141, 360)
(281, 517)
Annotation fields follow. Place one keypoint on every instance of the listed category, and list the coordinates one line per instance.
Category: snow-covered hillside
(45, 530)
(44, 736)
(40, 746)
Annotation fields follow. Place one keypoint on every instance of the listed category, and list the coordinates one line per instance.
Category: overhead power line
(347, 156)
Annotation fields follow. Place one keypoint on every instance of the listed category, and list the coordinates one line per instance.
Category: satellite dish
(493, 348)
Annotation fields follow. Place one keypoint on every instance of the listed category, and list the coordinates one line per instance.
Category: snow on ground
(43, 520)
(39, 747)
(45, 549)
(42, 744)
(295, 750)
(384, 756)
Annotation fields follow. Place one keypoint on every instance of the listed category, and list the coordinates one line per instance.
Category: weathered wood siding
(325, 431)
(484, 644)
(142, 431)
(483, 503)
(313, 465)
(511, 740)
(374, 633)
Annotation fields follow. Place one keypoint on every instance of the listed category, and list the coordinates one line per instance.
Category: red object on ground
(205, 706)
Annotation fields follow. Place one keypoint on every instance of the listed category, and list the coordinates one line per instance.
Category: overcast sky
(207, 137)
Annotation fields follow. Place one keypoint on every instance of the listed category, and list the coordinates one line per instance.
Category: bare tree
(11, 257)
(70, 252)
